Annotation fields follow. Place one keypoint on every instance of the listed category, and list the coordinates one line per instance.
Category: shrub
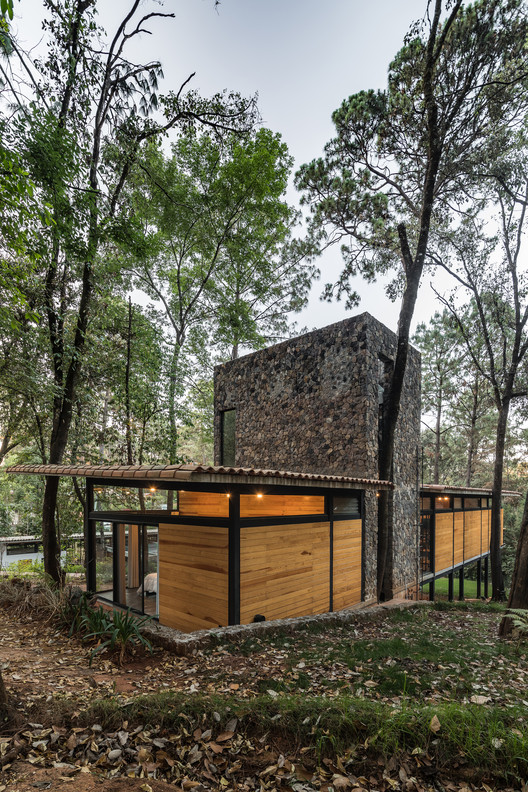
(121, 631)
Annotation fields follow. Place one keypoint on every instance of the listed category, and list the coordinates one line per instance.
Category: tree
(89, 100)
(499, 316)
(437, 342)
(403, 160)
(214, 222)
(457, 402)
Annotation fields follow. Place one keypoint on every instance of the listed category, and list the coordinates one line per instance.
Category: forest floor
(419, 699)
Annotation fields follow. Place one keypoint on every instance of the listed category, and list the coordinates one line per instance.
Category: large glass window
(346, 505)
(227, 437)
(144, 499)
(425, 544)
(127, 566)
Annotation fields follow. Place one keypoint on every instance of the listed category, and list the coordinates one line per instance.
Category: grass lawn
(442, 588)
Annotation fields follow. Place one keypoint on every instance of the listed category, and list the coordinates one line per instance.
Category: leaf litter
(41, 664)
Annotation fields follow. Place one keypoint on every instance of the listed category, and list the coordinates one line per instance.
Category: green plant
(26, 568)
(95, 621)
(122, 632)
(70, 609)
(519, 618)
(70, 568)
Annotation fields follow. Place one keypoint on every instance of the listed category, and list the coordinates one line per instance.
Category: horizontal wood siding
(280, 505)
(193, 577)
(284, 570)
(459, 537)
(347, 563)
(486, 517)
(472, 534)
(203, 504)
(443, 541)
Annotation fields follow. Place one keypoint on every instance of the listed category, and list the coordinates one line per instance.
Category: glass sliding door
(127, 572)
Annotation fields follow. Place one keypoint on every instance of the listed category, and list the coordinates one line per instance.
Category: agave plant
(122, 632)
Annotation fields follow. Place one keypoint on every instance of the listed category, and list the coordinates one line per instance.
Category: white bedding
(150, 583)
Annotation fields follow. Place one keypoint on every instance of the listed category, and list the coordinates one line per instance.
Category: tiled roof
(196, 473)
(432, 489)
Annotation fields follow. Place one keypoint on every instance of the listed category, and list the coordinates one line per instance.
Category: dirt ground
(40, 664)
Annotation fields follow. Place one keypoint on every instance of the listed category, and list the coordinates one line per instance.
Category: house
(285, 523)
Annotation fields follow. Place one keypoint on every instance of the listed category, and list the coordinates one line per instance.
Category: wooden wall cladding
(193, 577)
(347, 564)
(472, 531)
(471, 537)
(284, 570)
(443, 541)
(203, 504)
(459, 537)
(486, 520)
(280, 505)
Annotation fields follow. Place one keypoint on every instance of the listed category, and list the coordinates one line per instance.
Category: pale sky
(303, 57)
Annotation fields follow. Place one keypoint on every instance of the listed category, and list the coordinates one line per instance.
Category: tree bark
(50, 544)
(472, 435)
(519, 586)
(436, 475)
(173, 427)
(497, 580)
(128, 429)
(4, 702)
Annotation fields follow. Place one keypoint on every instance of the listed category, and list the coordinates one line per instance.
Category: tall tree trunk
(391, 409)
(4, 703)
(436, 475)
(497, 580)
(63, 414)
(413, 268)
(50, 544)
(128, 428)
(519, 586)
(173, 427)
(104, 422)
(472, 436)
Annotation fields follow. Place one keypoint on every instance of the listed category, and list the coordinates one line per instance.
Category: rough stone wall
(405, 530)
(311, 405)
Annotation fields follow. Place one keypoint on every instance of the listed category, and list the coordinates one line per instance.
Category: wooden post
(486, 576)
(450, 588)
(479, 575)
(461, 583)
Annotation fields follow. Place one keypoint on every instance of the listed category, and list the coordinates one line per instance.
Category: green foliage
(366, 192)
(121, 631)
(519, 619)
(95, 621)
(6, 8)
(215, 252)
(27, 569)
